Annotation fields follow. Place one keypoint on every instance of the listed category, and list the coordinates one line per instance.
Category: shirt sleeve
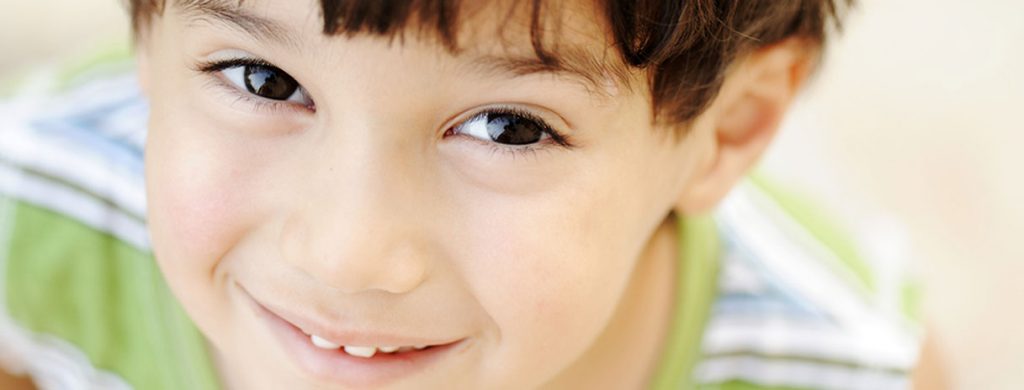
(801, 304)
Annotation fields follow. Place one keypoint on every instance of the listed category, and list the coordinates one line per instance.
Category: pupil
(513, 129)
(269, 82)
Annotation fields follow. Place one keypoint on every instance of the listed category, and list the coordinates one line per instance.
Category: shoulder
(802, 306)
(84, 304)
(77, 151)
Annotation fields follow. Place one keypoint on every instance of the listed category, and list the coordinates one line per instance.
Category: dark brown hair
(685, 46)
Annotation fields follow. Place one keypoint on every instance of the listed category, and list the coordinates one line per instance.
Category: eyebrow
(598, 77)
(232, 15)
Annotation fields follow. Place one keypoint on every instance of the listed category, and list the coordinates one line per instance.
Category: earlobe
(746, 116)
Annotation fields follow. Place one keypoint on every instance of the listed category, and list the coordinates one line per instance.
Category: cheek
(547, 274)
(200, 202)
(551, 269)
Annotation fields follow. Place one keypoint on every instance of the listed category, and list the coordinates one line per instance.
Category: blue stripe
(83, 134)
(776, 294)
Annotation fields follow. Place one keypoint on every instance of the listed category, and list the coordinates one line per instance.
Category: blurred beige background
(917, 116)
(914, 119)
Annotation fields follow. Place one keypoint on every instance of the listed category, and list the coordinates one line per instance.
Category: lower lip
(336, 366)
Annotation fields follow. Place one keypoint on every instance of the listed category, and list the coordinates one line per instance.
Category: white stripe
(808, 268)
(85, 169)
(800, 374)
(96, 93)
(126, 123)
(779, 336)
(66, 201)
(52, 363)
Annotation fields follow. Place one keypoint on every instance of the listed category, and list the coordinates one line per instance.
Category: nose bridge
(356, 230)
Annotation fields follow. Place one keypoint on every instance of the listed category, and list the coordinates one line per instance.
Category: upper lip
(313, 325)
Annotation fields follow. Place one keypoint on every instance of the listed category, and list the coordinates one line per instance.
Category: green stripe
(106, 298)
(824, 228)
(910, 301)
(819, 224)
(10, 84)
(106, 59)
(110, 58)
(695, 292)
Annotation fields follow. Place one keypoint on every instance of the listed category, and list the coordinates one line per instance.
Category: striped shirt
(773, 303)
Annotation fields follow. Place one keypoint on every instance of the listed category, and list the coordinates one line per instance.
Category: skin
(8, 381)
(555, 262)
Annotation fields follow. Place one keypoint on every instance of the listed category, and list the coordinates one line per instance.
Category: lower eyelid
(530, 151)
(512, 151)
(237, 95)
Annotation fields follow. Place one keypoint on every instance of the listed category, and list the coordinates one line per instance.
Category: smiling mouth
(363, 351)
(369, 353)
(357, 360)
(366, 351)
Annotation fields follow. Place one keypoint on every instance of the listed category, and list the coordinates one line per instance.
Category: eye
(263, 80)
(508, 127)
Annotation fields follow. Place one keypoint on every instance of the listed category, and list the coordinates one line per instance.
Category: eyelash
(260, 104)
(213, 68)
(558, 140)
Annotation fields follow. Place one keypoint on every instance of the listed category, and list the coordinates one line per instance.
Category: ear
(744, 118)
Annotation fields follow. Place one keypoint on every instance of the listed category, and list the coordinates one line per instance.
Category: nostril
(406, 275)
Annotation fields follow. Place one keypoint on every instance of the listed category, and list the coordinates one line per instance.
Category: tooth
(387, 349)
(420, 346)
(322, 343)
(365, 352)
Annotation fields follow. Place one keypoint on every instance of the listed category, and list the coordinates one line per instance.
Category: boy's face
(376, 206)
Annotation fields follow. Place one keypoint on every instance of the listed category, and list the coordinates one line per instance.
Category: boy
(434, 194)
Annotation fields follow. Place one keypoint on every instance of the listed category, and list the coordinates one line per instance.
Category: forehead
(564, 38)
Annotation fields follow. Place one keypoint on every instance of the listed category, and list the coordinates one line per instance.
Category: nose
(362, 228)
(356, 250)
(362, 263)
